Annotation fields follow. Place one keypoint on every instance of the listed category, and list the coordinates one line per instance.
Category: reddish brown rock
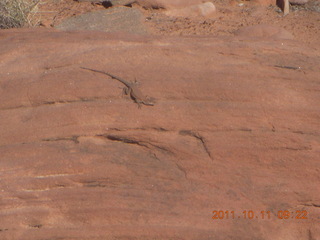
(206, 9)
(298, 2)
(235, 129)
(265, 2)
(168, 4)
(107, 20)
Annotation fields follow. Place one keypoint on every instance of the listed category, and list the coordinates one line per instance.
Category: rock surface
(236, 128)
(298, 1)
(117, 19)
(172, 4)
(229, 17)
(206, 9)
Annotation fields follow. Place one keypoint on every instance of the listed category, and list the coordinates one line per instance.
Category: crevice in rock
(132, 141)
(75, 138)
(242, 129)
(66, 101)
(287, 67)
(182, 170)
(310, 237)
(303, 133)
(155, 156)
(311, 205)
(121, 139)
(44, 103)
(36, 226)
(102, 183)
(16, 107)
(198, 137)
(94, 184)
(72, 138)
(303, 148)
(160, 129)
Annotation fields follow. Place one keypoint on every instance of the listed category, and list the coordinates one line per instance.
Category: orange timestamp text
(250, 214)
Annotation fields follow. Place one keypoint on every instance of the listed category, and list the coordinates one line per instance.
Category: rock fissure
(137, 142)
(200, 138)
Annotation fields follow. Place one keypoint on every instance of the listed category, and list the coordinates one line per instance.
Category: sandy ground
(303, 21)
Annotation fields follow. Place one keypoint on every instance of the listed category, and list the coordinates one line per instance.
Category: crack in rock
(310, 235)
(132, 141)
(307, 148)
(182, 170)
(95, 184)
(160, 129)
(44, 103)
(72, 138)
(198, 137)
(36, 226)
(311, 205)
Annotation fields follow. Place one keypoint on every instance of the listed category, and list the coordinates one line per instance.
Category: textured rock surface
(206, 9)
(168, 4)
(235, 128)
(299, 1)
(116, 19)
(229, 17)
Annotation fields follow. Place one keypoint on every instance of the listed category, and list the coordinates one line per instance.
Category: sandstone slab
(116, 19)
(298, 2)
(172, 4)
(206, 9)
(235, 129)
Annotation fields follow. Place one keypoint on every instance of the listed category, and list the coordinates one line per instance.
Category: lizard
(130, 89)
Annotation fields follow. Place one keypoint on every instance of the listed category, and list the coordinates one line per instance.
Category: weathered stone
(206, 9)
(116, 19)
(298, 2)
(172, 4)
(235, 129)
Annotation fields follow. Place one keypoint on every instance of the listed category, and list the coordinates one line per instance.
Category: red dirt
(303, 22)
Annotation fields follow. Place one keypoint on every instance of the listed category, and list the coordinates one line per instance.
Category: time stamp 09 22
(250, 214)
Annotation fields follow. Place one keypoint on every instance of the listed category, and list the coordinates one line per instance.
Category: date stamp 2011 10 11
(250, 214)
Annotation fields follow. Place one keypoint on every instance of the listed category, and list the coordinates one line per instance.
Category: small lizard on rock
(130, 89)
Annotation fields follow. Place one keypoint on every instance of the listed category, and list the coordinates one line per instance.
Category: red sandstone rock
(235, 129)
(206, 9)
(168, 4)
(298, 2)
